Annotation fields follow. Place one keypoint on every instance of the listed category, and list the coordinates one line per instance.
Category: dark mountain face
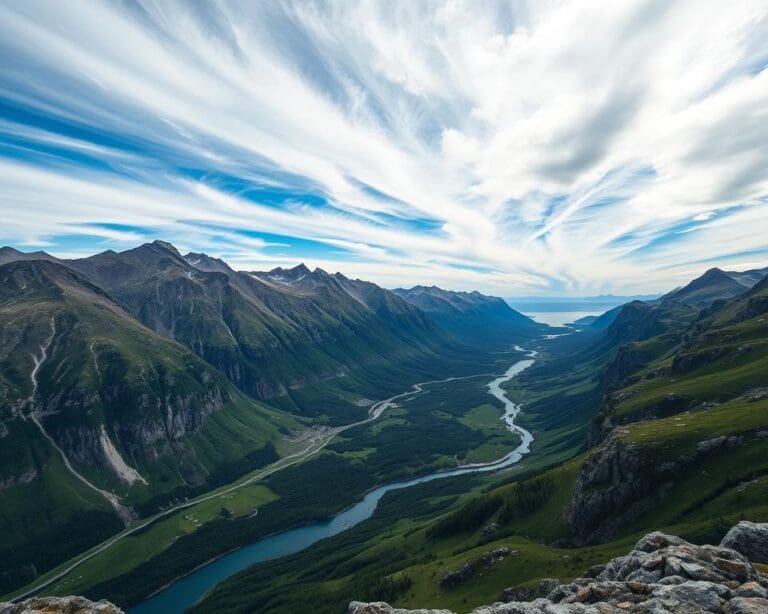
(601, 322)
(8, 254)
(472, 316)
(276, 335)
(749, 278)
(715, 285)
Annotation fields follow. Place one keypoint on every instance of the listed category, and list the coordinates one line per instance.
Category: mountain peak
(10, 254)
(204, 262)
(165, 246)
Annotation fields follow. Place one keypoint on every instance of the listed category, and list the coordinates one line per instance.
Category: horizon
(517, 149)
(597, 301)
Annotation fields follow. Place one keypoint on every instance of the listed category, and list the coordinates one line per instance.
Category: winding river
(186, 591)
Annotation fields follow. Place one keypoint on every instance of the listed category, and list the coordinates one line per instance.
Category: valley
(383, 307)
(395, 478)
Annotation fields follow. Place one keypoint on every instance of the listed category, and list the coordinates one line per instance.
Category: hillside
(659, 422)
(662, 573)
(714, 285)
(472, 315)
(307, 342)
(102, 420)
(133, 380)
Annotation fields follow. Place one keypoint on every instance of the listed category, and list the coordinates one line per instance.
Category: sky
(518, 148)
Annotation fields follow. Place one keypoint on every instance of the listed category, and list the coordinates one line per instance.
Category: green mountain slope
(102, 420)
(679, 444)
(308, 342)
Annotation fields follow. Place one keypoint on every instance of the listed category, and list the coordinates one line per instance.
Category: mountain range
(657, 421)
(716, 284)
(129, 380)
(472, 315)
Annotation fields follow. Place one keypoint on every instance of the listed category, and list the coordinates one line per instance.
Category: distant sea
(557, 311)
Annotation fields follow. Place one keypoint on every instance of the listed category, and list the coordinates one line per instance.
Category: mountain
(128, 381)
(749, 278)
(8, 254)
(307, 342)
(674, 404)
(714, 285)
(103, 420)
(472, 315)
(600, 322)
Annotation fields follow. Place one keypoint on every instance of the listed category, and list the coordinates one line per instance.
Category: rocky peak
(166, 246)
(207, 263)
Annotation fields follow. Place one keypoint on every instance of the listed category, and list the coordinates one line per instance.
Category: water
(186, 591)
(560, 318)
(558, 311)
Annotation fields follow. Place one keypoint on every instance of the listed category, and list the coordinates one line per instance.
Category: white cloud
(519, 147)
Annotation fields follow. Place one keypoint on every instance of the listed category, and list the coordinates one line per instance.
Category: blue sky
(517, 148)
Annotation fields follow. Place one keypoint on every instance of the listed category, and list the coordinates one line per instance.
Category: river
(186, 591)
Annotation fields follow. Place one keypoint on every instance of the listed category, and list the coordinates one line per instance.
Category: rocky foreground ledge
(663, 574)
(59, 605)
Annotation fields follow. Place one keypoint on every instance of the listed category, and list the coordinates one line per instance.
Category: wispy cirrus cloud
(514, 147)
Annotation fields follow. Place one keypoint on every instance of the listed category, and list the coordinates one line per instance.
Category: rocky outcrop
(59, 605)
(379, 607)
(487, 559)
(750, 539)
(663, 574)
(718, 444)
(616, 482)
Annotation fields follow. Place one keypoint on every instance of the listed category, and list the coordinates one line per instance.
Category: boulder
(489, 530)
(749, 605)
(750, 539)
(717, 444)
(454, 578)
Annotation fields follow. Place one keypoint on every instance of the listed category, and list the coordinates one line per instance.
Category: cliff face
(663, 574)
(615, 483)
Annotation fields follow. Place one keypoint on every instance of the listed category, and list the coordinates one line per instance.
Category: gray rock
(547, 584)
(749, 605)
(750, 539)
(489, 530)
(717, 444)
(380, 607)
(60, 605)
(657, 540)
(454, 578)
(512, 593)
(751, 589)
(489, 558)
